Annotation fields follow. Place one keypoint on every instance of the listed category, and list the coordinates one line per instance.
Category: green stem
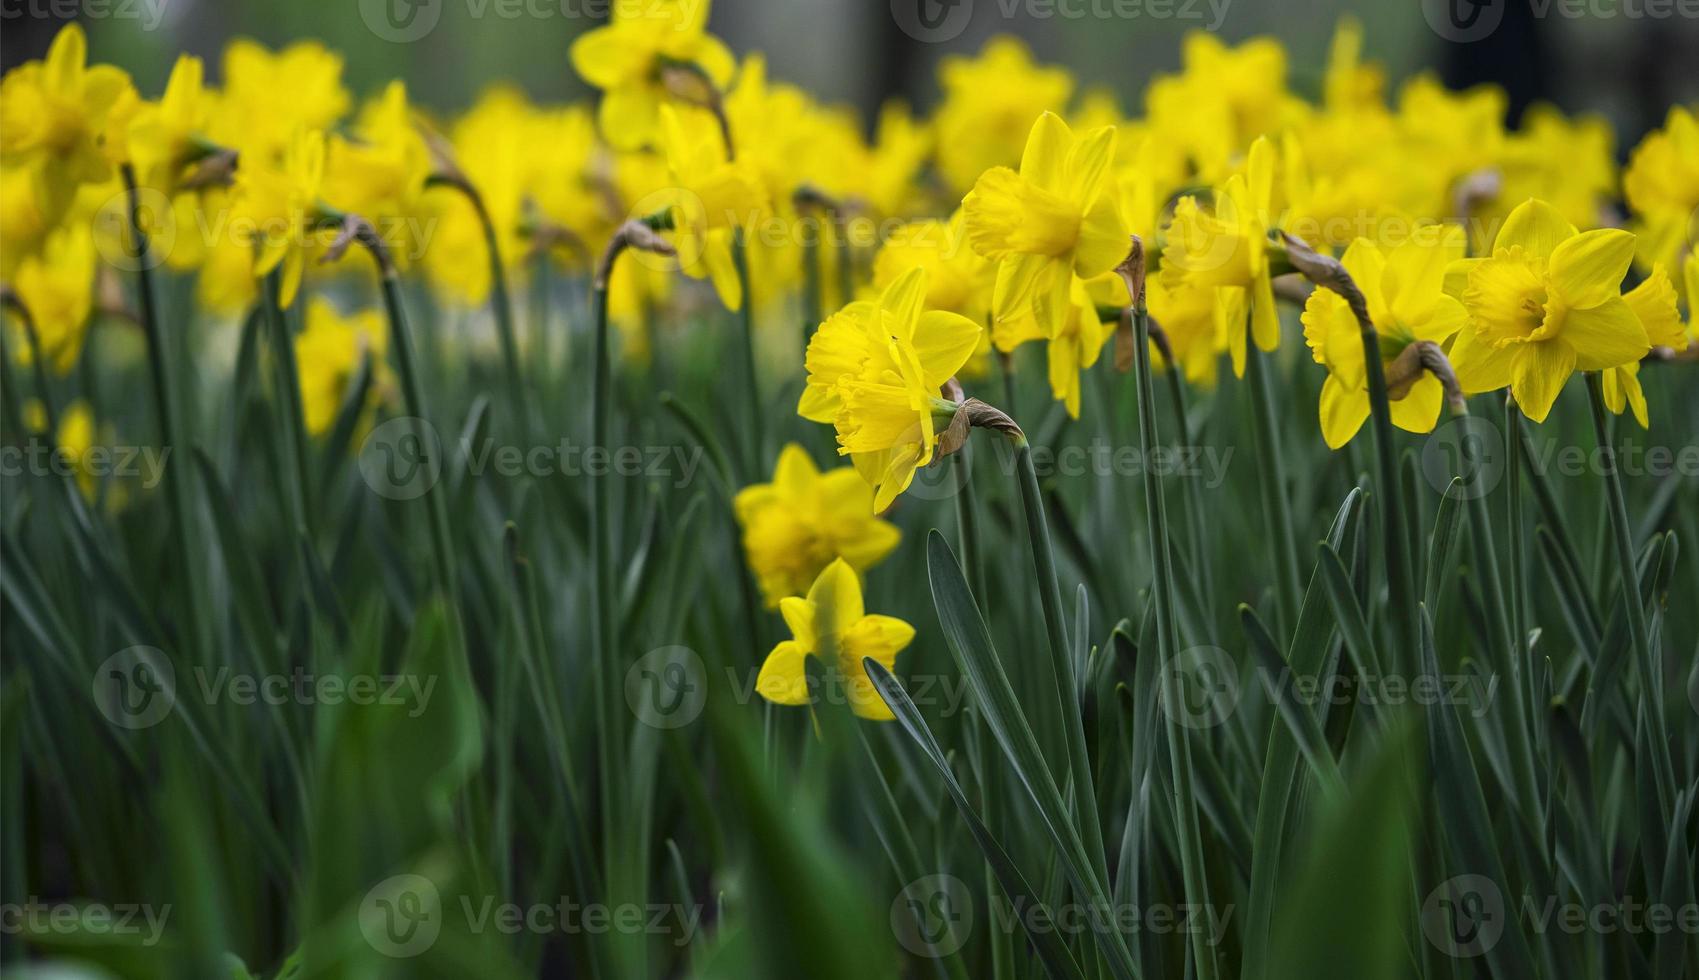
(746, 312)
(1622, 538)
(1179, 747)
(1193, 499)
(176, 485)
(289, 390)
(1400, 582)
(967, 523)
(500, 301)
(1276, 505)
(604, 623)
(1067, 687)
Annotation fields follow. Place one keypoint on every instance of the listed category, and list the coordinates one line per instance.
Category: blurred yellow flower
(1404, 290)
(874, 373)
(988, 107)
(57, 287)
(275, 208)
(162, 135)
(1048, 223)
(269, 97)
(380, 172)
(712, 201)
(1654, 304)
(53, 116)
(958, 279)
(327, 356)
(1662, 187)
(628, 58)
(796, 525)
(833, 625)
(1546, 304)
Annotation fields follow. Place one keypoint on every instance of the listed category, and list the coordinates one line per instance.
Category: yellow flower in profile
(628, 58)
(1048, 223)
(958, 279)
(162, 135)
(989, 103)
(53, 116)
(57, 287)
(874, 373)
(275, 208)
(270, 96)
(379, 173)
(833, 625)
(712, 200)
(1227, 250)
(1545, 304)
(796, 525)
(1654, 304)
(1403, 288)
(327, 356)
(1074, 348)
(1662, 187)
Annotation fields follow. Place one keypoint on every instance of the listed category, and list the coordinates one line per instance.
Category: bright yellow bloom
(1048, 223)
(162, 135)
(712, 200)
(57, 287)
(833, 625)
(1187, 315)
(1654, 303)
(77, 437)
(1221, 100)
(275, 209)
(327, 357)
(490, 144)
(958, 279)
(53, 116)
(269, 97)
(1453, 134)
(989, 104)
(1570, 163)
(796, 525)
(1404, 291)
(1228, 250)
(563, 184)
(1546, 304)
(874, 373)
(627, 60)
(1662, 187)
(23, 223)
(380, 173)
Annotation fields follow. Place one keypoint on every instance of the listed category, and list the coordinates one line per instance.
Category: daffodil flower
(276, 208)
(327, 354)
(380, 173)
(990, 101)
(1403, 288)
(958, 279)
(833, 625)
(627, 60)
(1048, 223)
(796, 525)
(1545, 304)
(874, 373)
(1653, 302)
(162, 136)
(1076, 346)
(53, 116)
(1227, 250)
(270, 96)
(1662, 188)
(712, 200)
(57, 287)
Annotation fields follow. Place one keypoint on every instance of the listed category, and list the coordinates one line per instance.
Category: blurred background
(1627, 60)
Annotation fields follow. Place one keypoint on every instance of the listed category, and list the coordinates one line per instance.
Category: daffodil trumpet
(1132, 272)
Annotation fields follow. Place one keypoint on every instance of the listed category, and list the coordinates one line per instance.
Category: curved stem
(501, 302)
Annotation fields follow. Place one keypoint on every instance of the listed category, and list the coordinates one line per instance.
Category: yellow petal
(1605, 336)
(1479, 365)
(1419, 409)
(1537, 375)
(801, 616)
(1536, 226)
(1088, 165)
(943, 342)
(1654, 303)
(795, 474)
(604, 57)
(784, 675)
(1044, 160)
(1342, 412)
(901, 303)
(1587, 269)
(66, 56)
(1103, 239)
(836, 597)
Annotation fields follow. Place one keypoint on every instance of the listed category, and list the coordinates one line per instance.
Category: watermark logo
(136, 687)
(402, 459)
(115, 240)
(1200, 687)
(1470, 448)
(401, 21)
(1464, 916)
(933, 916)
(932, 21)
(667, 687)
(401, 915)
(1463, 21)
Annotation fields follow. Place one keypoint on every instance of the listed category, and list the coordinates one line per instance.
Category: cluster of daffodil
(1007, 210)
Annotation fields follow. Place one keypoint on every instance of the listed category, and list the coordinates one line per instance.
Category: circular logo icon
(402, 458)
(1200, 687)
(1464, 916)
(401, 915)
(1469, 448)
(1463, 21)
(667, 687)
(932, 21)
(401, 21)
(938, 480)
(115, 240)
(932, 916)
(135, 688)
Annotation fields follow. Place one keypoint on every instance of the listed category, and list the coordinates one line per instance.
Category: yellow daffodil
(1187, 316)
(989, 104)
(564, 186)
(23, 223)
(57, 287)
(833, 625)
(1662, 187)
(628, 58)
(1545, 304)
(380, 173)
(1570, 163)
(1227, 250)
(1404, 291)
(796, 525)
(270, 96)
(53, 116)
(491, 147)
(1654, 304)
(958, 279)
(163, 135)
(874, 373)
(1048, 223)
(1453, 134)
(327, 355)
(275, 210)
(712, 200)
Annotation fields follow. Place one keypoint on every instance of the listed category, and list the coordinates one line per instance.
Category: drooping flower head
(711, 200)
(275, 208)
(629, 60)
(832, 624)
